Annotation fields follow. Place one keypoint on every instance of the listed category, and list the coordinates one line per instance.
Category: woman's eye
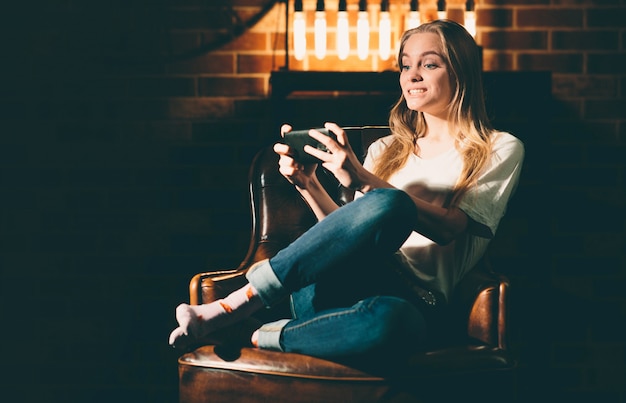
(404, 67)
(430, 66)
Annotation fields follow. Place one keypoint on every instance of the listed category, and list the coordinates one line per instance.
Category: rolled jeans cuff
(269, 335)
(264, 280)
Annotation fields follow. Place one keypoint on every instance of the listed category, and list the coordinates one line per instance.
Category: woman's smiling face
(424, 75)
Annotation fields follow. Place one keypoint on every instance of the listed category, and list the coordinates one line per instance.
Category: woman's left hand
(340, 159)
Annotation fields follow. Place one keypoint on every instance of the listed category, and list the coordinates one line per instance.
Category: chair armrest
(480, 306)
(210, 286)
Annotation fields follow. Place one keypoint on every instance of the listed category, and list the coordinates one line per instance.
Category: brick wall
(126, 135)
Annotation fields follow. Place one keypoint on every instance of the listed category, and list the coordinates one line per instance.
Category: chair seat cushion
(222, 374)
(272, 363)
(466, 358)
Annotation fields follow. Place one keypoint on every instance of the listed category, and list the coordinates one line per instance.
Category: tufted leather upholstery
(473, 359)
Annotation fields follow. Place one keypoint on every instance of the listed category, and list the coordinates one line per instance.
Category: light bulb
(320, 34)
(343, 35)
(441, 10)
(470, 22)
(363, 35)
(299, 35)
(413, 20)
(384, 35)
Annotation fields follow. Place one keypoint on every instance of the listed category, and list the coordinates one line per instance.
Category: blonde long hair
(467, 114)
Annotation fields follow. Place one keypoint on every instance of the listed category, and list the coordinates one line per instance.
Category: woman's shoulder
(376, 149)
(506, 142)
(381, 143)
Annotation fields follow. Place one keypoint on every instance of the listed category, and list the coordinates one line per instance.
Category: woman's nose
(415, 75)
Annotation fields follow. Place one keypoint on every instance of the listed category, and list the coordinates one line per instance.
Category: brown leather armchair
(472, 362)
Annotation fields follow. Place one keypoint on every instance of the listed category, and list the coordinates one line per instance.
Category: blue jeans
(345, 299)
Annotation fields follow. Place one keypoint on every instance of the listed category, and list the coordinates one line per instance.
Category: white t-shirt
(440, 267)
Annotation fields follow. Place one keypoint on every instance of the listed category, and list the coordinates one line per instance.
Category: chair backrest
(280, 215)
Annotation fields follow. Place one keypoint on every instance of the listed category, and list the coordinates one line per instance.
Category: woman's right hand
(297, 173)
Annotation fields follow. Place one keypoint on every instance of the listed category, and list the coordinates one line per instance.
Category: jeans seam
(349, 311)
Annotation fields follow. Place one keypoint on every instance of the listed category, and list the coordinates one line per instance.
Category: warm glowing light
(384, 35)
(470, 22)
(363, 35)
(299, 35)
(414, 20)
(441, 10)
(320, 34)
(343, 35)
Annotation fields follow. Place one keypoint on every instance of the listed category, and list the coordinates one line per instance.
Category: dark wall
(115, 190)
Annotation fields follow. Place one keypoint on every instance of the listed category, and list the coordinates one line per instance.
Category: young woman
(373, 275)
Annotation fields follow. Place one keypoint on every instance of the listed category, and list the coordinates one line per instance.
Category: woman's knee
(389, 204)
(391, 213)
(394, 323)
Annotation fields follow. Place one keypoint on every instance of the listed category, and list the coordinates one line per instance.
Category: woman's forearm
(318, 199)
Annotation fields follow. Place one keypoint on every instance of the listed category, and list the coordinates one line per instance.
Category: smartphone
(297, 139)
